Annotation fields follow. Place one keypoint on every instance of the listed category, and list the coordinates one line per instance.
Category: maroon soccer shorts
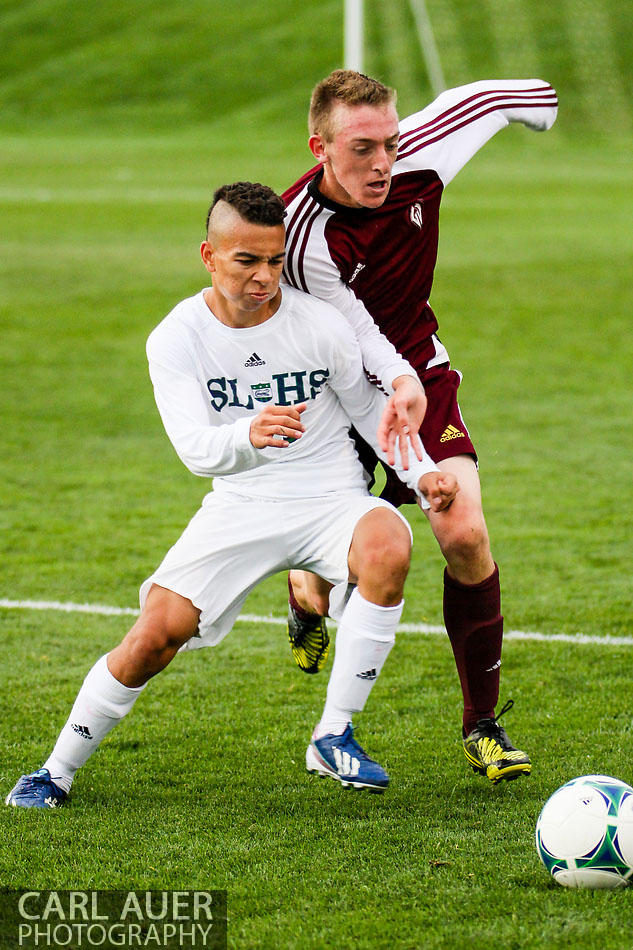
(443, 432)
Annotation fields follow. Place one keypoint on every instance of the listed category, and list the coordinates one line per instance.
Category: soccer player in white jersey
(257, 386)
(362, 233)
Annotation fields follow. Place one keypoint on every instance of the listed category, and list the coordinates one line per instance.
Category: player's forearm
(535, 103)
(209, 451)
(411, 384)
(533, 98)
(417, 467)
(447, 134)
(380, 358)
(364, 405)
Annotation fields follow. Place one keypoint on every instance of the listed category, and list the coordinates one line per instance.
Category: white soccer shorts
(233, 542)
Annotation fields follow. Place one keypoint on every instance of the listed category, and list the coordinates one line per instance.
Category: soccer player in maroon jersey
(362, 233)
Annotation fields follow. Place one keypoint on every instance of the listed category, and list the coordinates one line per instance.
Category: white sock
(101, 703)
(364, 639)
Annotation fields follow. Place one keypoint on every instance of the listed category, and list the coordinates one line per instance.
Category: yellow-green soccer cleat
(309, 641)
(490, 752)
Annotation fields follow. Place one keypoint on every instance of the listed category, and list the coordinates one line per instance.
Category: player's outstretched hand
(401, 420)
(277, 425)
(439, 489)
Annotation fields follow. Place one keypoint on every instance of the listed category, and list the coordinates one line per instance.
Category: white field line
(580, 639)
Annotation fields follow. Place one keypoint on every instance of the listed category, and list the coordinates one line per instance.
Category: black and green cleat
(490, 752)
(309, 641)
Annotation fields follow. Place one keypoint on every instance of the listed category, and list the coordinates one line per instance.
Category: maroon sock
(296, 606)
(472, 615)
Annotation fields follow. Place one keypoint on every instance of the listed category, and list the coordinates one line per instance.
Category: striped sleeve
(447, 134)
(309, 266)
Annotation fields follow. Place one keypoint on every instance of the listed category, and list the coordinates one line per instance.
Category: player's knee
(152, 649)
(153, 642)
(386, 559)
(467, 539)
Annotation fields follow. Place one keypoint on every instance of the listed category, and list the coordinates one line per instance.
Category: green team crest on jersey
(262, 392)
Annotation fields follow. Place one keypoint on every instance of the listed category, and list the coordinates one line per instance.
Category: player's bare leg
(108, 693)
(461, 530)
(472, 615)
(379, 557)
(378, 564)
(166, 623)
(308, 602)
(308, 598)
(311, 592)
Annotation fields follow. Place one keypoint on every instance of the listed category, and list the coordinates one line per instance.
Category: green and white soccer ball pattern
(584, 834)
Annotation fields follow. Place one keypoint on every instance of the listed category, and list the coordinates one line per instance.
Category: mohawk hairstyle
(256, 203)
(349, 87)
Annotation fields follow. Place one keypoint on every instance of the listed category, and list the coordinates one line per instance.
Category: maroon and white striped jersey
(378, 263)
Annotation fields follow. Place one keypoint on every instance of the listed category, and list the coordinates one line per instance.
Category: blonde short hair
(348, 87)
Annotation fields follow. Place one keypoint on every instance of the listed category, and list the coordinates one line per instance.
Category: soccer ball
(584, 834)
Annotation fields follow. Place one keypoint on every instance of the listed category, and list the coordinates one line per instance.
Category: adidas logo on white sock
(82, 731)
(367, 675)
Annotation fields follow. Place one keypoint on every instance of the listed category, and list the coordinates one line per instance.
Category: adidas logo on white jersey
(255, 360)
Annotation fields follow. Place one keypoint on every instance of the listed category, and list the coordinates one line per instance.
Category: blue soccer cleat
(342, 758)
(36, 790)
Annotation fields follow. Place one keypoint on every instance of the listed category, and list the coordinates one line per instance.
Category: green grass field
(203, 786)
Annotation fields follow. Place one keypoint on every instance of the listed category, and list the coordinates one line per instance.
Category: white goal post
(354, 35)
(354, 40)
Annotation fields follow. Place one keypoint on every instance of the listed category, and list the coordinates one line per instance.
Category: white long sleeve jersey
(376, 265)
(211, 380)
